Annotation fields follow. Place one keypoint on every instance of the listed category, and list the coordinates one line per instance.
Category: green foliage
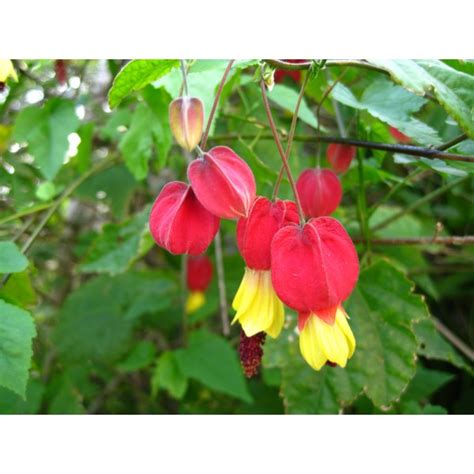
(17, 330)
(168, 375)
(11, 259)
(136, 75)
(46, 130)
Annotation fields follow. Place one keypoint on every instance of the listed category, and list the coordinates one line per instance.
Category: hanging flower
(198, 279)
(223, 183)
(258, 307)
(320, 192)
(186, 116)
(314, 269)
(179, 223)
(340, 156)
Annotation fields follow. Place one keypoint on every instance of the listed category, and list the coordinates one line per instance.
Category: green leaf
(286, 98)
(393, 105)
(136, 75)
(96, 320)
(149, 127)
(435, 164)
(452, 88)
(413, 407)
(18, 290)
(434, 346)
(11, 259)
(425, 383)
(11, 403)
(383, 310)
(46, 130)
(141, 356)
(46, 191)
(83, 157)
(118, 246)
(168, 376)
(17, 330)
(211, 360)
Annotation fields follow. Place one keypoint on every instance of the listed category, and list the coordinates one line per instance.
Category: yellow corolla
(257, 305)
(7, 70)
(195, 300)
(321, 342)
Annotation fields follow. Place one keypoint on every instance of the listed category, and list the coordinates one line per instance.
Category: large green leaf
(11, 259)
(46, 130)
(118, 246)
(452, 88)
(11, 403)
(136, 75)
(17, 330)
(149, 127)
(393, 105)
(286, 98)
(211, 360)
(168, 375)
(96, 320)
(383, 310)
(140, 357)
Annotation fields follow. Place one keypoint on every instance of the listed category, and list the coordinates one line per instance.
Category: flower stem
(185, 77)
(280, 150)
(221, 284)
(215, 103)
(291, 134)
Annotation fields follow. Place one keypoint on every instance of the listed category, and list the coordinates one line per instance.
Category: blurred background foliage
(91, 317)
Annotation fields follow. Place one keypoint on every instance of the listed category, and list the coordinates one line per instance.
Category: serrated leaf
(425, 383)
(117, 246)
(435, 164)
(452, 88)
(393, 105)
(211, 360)
(149, 127)
(136, 75)
(18, 290)
(168, 375)
(46, 130)
(140, 357)
(383, 310)
(11, 259)
(286, 98)
(17, 331)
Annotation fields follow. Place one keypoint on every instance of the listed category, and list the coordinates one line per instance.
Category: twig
(276, 138)
(454, 141)
(392, 148)
(454, 340)
(108, 389)
(444, 240)
(221, 284)
(184, 73)
(330, 63)
(294, 120)
(419, 203)
(215, 104)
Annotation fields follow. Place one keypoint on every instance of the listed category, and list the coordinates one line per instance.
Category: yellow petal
(196, 300)
(341, 321)
(258, 308)
(7, 70)
(309, 347)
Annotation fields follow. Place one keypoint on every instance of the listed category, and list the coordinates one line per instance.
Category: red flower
(255, 233)
(314, 268)
(320, 192)
(280, 74)
(198, 278)
(179, 223)
(223, 183)
(199, 273)
(340, 156)
(399, 136)
(258, 307)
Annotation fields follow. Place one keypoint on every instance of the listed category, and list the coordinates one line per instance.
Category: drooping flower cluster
(312, 267)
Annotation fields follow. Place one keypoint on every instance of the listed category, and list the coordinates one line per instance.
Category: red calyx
(223, 183)
(340, 156)
(255, 233)
(399, 136)
(320, 191)
(199, 273)
(314, 268)
(179, 223)
(280, 74)
(251, 352)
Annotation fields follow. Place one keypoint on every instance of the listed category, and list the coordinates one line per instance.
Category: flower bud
(340, 156)
(320, 192)
(199, 273)
(223, 183)
(186, 115)
(399, 136)
(179, 223)
(255, 233)
(314, 268)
